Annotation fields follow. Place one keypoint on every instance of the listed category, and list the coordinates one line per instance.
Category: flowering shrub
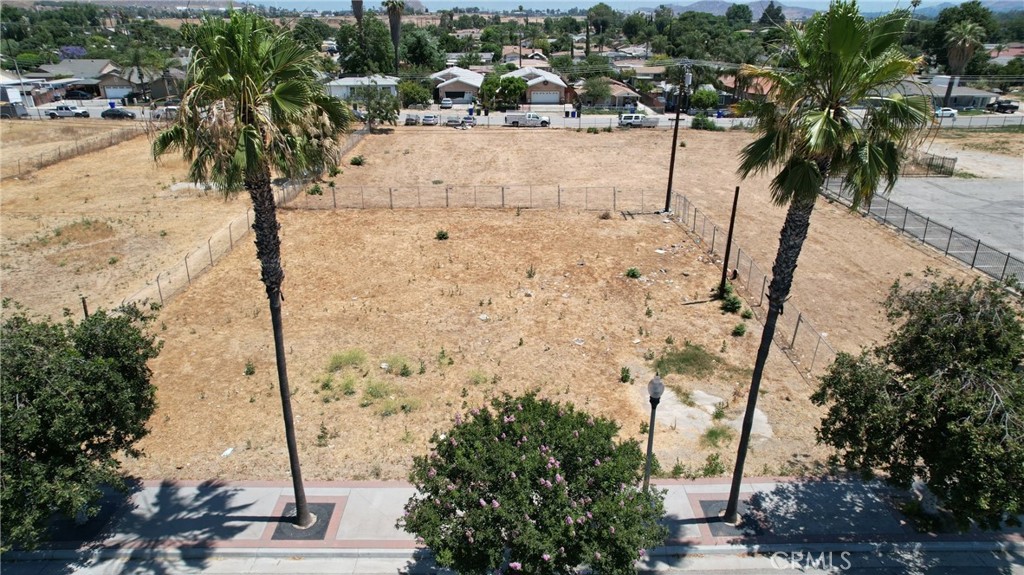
(533, 486)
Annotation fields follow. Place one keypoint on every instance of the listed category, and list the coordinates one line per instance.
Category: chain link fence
(16, 168)
(973, 252)
(805, 346)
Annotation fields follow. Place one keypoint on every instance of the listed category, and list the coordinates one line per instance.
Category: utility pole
(687, 78)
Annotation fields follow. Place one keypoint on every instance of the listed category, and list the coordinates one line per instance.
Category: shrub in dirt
(702, 122)
(441, 235)
(633, 273)
(533, 486)
(357, 161)
(739, 330)
(732, 303)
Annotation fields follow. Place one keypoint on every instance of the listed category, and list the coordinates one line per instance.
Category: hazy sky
(621, 5)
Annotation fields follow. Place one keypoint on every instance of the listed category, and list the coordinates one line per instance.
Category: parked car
(453, 121)
(77, 95)
(412, 119)
(66, 111)
(446, 103)
(430, 120)
(945, 113)
(469, 120)
(166, 113)
(117, 114)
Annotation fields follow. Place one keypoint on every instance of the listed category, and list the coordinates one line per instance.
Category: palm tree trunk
(791, 241)
(268, 251)
(949, 92)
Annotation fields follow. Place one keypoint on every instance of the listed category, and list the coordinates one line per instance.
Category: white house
(542, 87)
(345, 88)
(459, 84)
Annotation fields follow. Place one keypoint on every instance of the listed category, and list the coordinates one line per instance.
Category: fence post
(614, 208)
(503, 197)
(446, 188)
(188, 274)
(1005, 264)
(925, 234)
(714, 235)
(950, 239)
(334, 197)
(231, 236)
(814, 356)
(764, 283)
(391, 200)
(210, 249)
(750, 273)
(906, 212)
(799, 316)
(159, 289)
(694, 228)
(559, 196)
(885, 216)
(975, 258)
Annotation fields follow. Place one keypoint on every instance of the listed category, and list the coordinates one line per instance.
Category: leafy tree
(512, 90)
(381, 105)
(739, 14)
(421, 50)
(468, 59)
(602, 18)
(534, 487)
(311, 32)
(410, 92)
(596, 91)
(254, 104)
(942, 400)
(704, 99)
(804, 127)
(394, 9)
(772, 16)
(74, 398)
(936, 43)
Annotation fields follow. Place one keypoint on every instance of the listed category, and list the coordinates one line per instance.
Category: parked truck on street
(66, 111)
(517, 119)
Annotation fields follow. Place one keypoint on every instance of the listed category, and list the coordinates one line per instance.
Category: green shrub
(347, 358)
(715, 435)
(702, 122)
(732, 303)
(624, 375)
(441, 235)
(747, 314)
(712, 466)
(739, 330)
(378, 390)
(586, 506)
(357, 160)
(250, 368)
(633, 273)
(691, 360)
(719, 411)
(316, 190)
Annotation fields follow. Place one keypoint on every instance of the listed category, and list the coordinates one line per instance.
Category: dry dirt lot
(514, 300)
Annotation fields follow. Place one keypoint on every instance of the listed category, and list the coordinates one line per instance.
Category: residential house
(346, 88)
(621, 95)
(484, 58)
(459, 84)
(1003, 57)
(960, 98)
(529, 56)
(542, 87)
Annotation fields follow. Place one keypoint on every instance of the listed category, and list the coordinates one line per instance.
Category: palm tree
(357, 11)
(804, 126)
(253, 104)
(962, 39)
(394, 8)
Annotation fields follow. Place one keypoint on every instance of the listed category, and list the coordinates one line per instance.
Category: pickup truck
(67, 111)
(1003, 106)
(516, 119)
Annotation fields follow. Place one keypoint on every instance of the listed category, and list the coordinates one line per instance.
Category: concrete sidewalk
(242, 527)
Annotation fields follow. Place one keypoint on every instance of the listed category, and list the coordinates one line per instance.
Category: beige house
(459, 84)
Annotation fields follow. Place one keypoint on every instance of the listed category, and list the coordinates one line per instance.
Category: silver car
(430, 120)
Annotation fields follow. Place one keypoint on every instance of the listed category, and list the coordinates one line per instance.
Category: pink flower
(495, 504)
(597, 555)
(568, 520)
(509, 418)
(597, 463)
(513, 475)
(576, 433)
(432, 472)
(559, 478)
(515, 566)
(546, 557)
(483, 503)
(458, 419)
(520, 406)
(612, 529)
(642, 552)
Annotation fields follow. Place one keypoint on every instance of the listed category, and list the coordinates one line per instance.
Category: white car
(945, 113)
(446, 103)
(430, 120)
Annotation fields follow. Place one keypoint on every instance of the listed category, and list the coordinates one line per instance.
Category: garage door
(114, 92)
(544, 97)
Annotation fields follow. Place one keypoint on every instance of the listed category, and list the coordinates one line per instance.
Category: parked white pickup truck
(66, 111)
(516, 119)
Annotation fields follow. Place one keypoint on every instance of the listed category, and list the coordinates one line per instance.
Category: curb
(420, 555)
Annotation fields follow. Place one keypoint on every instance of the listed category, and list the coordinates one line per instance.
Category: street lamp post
(675, 133)
(655, 388)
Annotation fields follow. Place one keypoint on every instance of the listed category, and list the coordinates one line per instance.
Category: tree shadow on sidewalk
(808, 517)
(176, 529)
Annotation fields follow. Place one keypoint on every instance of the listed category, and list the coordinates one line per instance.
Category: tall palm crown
(962, 40)
(806, 129)
(253, 104)
(395, 8)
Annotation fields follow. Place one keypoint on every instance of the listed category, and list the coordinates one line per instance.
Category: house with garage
(542, 87)
(347, 88)
(459, 84)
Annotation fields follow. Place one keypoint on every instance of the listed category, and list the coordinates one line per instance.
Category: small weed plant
(357, 160)
(624, 375)
(441, 235)
(633, 273)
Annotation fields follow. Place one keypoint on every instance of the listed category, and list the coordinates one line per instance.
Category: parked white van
(627, 120)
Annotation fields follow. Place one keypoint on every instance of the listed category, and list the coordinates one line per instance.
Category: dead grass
(465, 309)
